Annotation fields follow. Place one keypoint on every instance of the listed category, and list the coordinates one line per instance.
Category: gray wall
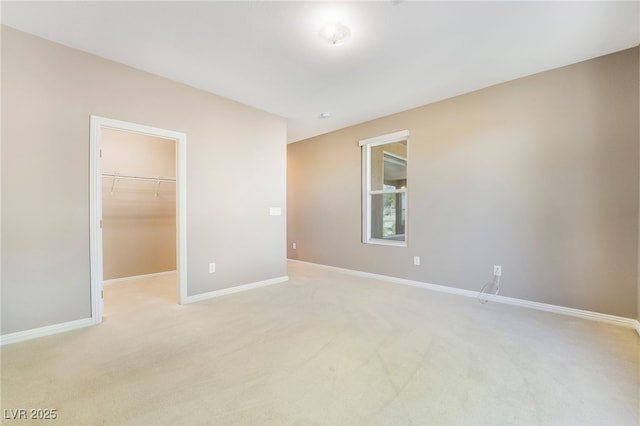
(236, 160)
(539, 175)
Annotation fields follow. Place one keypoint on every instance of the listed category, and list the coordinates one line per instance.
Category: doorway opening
(138, 205)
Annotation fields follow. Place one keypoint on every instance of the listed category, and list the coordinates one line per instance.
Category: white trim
(384, 139)
(95, 172)
(387, 191)
(136, 277)
(389, 242)
(580, 313)
(86, 322)
(95, 215)
(596, 316)
(366, 198)
(20, 336)
(225, 291)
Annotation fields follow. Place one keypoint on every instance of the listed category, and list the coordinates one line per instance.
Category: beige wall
(139, 222)
(236, 171)
(539, 175)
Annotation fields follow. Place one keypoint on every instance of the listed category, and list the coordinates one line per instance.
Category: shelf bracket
(158, 185)
(113, 183)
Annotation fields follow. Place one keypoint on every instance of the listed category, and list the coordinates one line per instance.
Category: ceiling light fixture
(335, 33)
(325, 115)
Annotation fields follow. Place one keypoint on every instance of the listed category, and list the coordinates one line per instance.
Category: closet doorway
(138, 199)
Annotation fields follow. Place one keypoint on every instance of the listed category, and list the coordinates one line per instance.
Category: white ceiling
(402, 54)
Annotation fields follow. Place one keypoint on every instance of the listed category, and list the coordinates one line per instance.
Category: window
(384, 189)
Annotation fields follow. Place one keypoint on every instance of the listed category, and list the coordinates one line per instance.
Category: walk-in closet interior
(138, 205)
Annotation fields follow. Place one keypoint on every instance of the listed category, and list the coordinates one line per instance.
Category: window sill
(386, 242)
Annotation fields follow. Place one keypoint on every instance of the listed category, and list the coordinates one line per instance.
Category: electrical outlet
(294, 246)
(212, 268)
(497, 270)
(416, 260)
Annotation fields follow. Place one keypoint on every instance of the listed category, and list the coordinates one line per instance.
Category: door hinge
(100, 223)
(100, 153)
(101, 294)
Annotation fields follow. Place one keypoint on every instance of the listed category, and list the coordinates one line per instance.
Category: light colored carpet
(325, 348)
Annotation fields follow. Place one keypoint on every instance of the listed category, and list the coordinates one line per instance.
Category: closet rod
(154, 179)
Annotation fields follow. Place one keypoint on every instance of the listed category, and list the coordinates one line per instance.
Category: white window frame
(366, 145)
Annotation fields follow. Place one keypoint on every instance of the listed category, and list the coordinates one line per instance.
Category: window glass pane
(394, 172)
(384, 189)
(388, 213)
(389, 166)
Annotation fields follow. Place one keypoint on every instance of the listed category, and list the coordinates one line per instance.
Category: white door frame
(95, 197)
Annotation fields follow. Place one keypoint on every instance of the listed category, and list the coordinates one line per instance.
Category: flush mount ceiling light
(335, 33)
(325, 115)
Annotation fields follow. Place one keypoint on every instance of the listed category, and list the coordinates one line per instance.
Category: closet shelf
(116, 177)
(155, 179)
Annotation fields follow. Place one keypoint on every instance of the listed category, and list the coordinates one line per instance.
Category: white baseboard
(231, 290)
(44, 331)
(580, 313)
(136, 277)
(611, 319)
(72, 325)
